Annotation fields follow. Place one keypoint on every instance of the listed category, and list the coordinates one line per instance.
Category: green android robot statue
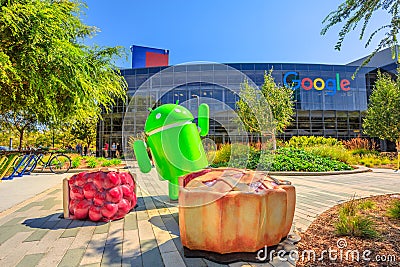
(174, 142)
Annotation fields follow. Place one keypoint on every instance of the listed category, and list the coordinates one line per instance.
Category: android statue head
(165, 115)
(174, 142)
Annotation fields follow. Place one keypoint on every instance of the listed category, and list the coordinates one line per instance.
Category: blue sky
(225, 31)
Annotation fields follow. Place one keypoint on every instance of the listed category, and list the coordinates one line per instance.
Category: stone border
(360, 169)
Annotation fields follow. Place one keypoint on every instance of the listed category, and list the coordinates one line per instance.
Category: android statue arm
(139, 148)
(204, 118)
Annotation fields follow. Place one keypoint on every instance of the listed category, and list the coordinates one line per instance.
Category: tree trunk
(21, 138)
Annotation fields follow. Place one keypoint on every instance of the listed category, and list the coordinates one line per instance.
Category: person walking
(113, 150)
(105, 150)
(118, 152)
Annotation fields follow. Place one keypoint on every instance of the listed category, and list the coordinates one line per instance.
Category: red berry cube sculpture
(104, 195)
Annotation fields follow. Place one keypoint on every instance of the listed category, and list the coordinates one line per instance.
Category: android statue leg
(173, 189)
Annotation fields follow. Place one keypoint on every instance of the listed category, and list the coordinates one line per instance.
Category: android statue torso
(174, 141)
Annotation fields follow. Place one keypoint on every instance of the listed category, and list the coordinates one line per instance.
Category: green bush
(385, 161)
(244, 157)
(394, 210)
(352, 224)
(333, 152)
(357, 225)
(366, 205)
(223, 154)
(371, 160)
(76, 162)
(101, 159)
(364, 152)
(293, 159)
(308, 141)
(106, 163)
(92, 162)
(110, 162)
(115, 162)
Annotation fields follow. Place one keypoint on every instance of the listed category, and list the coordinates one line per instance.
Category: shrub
(106, 163)
(307, 141)
(223, 154)
(243, 156)
(101, 159)
(357, 225)
(364, 152)
(76, 162)
(366, 205)
(352, 224)
(360, 144)
(333, 152)
(115, 162)
(385, 161)
(394, 210)
(92, 162)
(293, 159)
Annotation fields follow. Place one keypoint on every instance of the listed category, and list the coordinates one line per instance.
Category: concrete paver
(33, 234)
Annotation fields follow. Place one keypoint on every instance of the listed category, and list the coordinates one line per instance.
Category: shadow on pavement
(56, 221)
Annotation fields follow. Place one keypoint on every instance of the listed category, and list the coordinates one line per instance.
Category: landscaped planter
(234, 210)
(103, 195)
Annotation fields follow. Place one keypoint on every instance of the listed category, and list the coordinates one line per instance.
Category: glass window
(288, 66)
(301, 67)
(142, 71)
(194, 67)
(262, 66)
(248, 66)
(235, 66)
(180, 68)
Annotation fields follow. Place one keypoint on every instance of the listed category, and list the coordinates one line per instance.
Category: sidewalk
(22, 188)
(33, 234)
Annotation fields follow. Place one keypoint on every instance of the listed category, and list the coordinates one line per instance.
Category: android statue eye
(158, 116)
(178, 110)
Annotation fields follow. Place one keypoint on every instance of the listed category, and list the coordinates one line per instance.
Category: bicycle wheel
(60, 164)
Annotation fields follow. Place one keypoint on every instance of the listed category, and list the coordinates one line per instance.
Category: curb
(360, 169)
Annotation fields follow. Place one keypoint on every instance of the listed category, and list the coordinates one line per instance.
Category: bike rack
(7, 164)
(24, 163)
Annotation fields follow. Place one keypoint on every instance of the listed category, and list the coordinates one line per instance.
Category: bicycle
(58, 163)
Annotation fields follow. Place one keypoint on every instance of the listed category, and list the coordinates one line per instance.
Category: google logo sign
(330, 85)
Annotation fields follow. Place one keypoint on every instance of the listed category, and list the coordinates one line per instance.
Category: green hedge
(288, 159)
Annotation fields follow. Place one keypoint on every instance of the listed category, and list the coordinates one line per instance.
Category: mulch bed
(321, 235)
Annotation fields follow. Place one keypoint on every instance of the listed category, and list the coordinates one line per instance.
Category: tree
(353, 13)
(383, 114)
(46, 70)
(85, 130)
(253, 110)
(21, 122)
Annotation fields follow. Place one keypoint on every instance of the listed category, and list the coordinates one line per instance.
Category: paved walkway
(22, 188)
(32, 233)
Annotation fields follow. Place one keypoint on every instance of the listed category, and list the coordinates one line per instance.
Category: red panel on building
(156, 59)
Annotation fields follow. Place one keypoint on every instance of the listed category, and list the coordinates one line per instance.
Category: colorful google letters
(291, 79)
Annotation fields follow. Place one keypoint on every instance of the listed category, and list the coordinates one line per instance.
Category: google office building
(328, 102)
